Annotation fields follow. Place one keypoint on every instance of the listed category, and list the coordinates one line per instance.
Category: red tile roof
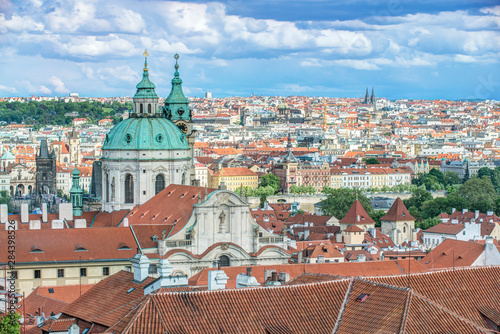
(446, 228)
(453, 253)
(397, 212)
(357, 211)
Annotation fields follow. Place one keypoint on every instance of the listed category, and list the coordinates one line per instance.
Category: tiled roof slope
(356, 210)
(397, 212)
(291, 309)
(381, 312)
(41, 299)
(108, 301)
(462, 291)
(435, 302)
(64, 244)
(172, 206)
(452, 253)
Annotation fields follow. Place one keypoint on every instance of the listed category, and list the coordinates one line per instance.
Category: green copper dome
(145, 133)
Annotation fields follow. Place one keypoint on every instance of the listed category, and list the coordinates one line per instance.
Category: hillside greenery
(39, 114)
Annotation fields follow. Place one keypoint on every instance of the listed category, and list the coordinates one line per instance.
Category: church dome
(145, 133)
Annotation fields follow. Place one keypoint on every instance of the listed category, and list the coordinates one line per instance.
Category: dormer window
(36, 249)
(154, 238)
(80, 248)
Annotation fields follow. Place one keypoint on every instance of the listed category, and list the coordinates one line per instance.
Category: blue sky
(404, 49)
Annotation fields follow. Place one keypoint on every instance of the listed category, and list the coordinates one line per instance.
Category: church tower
(367, 97)
(74, 147)
(146, 152)
(45, 178)
(76, 193)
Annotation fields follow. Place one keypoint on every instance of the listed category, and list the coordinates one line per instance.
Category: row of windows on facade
(37, 273)
(129, 187)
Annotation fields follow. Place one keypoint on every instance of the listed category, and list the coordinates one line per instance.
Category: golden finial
(146, 54)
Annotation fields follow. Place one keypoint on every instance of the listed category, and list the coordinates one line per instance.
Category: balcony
(177, 243)
(270, 240)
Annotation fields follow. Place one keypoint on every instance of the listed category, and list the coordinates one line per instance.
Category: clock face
(183, 127)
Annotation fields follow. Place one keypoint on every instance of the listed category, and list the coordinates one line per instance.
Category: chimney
(4, 213)
(44, 213)
(66, 211)
(217, 279)
(246, 281)
(199, 195)
(24, 213)
(35, 225)
(140, 264)
(453, 210)
(74, 329)
(306, 234)
(357, 218)
(80, 223)
(274, 276)
(464, 211)
(284, 277)
(476, 214)
(488, 213)
(125, 222)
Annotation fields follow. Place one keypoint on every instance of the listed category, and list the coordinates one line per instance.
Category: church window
(159, 183)
(107, 188)
(129, 189)
(149, 108)
(142, 108)
(404, 229)
(224, 261)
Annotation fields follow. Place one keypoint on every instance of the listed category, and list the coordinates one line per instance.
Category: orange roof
(397, 212)
(357, 215)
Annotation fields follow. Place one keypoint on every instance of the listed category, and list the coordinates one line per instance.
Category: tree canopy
(270, 180)
(9, 324)
(339, 201)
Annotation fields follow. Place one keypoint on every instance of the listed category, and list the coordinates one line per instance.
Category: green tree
(485, 171)
(479, 192)
(438, 175)
(339, 201)
(270, 180)
(376, 215)
(418, 196)
(427, 223)
(263, 200)
(371, 161)
(9, 324)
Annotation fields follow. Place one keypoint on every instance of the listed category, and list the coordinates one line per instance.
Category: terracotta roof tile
(354, 212)
(397, 212)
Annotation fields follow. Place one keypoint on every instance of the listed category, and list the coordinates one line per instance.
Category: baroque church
(146, 170)
(151, 149)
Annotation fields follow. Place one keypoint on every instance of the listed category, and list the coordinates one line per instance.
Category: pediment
(224, 197)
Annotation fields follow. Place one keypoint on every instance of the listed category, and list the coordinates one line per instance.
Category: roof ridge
(236, 290)
(447, 310)
(344, 304)
(138, 311)
(405, 312)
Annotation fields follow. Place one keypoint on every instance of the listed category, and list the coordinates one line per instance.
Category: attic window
(80, 248)
(51, 290)
(194, 196)
(123, 247)
(182, 196)
(130, 290)
(154, 238)
(166, 218)
(427, 262)
(362, 297)
(128, 138)
(404, 214)
(36, 249)
(169, 193)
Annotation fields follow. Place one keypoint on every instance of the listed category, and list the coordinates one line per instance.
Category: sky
(432, 49)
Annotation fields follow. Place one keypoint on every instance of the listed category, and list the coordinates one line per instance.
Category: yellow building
(234, 177)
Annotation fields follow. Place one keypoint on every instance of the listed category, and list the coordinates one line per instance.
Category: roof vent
(182, 196)
(130, 290)
(362, 297)
(51, 290)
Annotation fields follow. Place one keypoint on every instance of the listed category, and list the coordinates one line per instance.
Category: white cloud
(357, 64)
(58, 85)
(465, 59)
(70, 16)
(18, 23)
(127, 20)
(8, 89)
(491, 10)
(124, 73)
(162, 45)
(91, 46)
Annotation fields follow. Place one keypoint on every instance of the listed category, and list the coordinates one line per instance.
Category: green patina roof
(145, 88)
(75, 172)
(145, 133)
(176, 95)
(7, 156)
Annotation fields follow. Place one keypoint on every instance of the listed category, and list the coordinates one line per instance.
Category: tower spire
(176, 104)
(145, 98)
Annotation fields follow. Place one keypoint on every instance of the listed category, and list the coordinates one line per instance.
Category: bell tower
(145, 99)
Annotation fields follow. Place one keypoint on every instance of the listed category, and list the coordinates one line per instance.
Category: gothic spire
(176, 104)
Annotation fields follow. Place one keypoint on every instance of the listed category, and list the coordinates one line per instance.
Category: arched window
(224, 261)
(142, 108)
(129, 189)
(183, 181)
(107, 188)
(149, 108)
(159, 183)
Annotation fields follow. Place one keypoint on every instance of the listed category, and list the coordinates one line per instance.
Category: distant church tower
(45, 178)
(367, 97)
(372, 98)
(74, 147)
(151, 149)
